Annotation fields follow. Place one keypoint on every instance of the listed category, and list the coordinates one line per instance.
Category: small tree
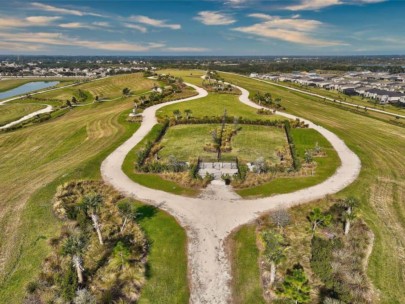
(349, 203)
(176, 114)
(188, 113)
(126, 210)
(121, 255)
(91, 205)
(260, 165)
(68, 103)
(274, 251)
(126, 91)
(74, 246)
(74, 100)
(280, 218)
(308, 157)
(295, 286)
(83, 296)
(317, 218)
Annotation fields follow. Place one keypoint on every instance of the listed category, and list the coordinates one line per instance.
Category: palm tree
(317, 218)
(121, 255)
(274, 251)
(188, 113)
(73, 247)
(349, 203)
(91, 205)
(176, 114)
(126, 210)
(296, 286)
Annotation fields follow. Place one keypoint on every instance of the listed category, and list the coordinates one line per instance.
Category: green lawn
(188, 141)
(246, 285)
(190, 76)
(166, 271)
(12, 112)
(381, 148)
(304, 139)
(153, 181)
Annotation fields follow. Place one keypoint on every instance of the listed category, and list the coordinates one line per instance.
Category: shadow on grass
(145, 212)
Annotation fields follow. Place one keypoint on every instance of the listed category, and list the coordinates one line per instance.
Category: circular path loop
(210, 218)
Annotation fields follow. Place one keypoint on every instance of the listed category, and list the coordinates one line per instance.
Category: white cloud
(137, 27)
(77, 25)
(60, 39)
(38, 41)
(61, 10)
(102, 24)
(297, 30)
(214, 18)
(319, 4)
(27, 22)
(155, 22)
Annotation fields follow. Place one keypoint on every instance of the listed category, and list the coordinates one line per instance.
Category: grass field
(304, 139)
(106, 88)
(12, 112)
(214, 105)
(188, 141)
(34, 161)
(166, 276)
(246, 285)
(152, 180)
(381, 185)
(190, 76)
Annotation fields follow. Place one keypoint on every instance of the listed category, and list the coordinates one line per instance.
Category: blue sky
(204, 27)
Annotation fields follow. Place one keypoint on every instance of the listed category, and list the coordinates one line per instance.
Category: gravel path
(210, 218)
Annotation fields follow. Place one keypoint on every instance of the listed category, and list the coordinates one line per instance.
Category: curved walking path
(210, 218)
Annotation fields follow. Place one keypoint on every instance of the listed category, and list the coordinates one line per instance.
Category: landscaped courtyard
(250, 143)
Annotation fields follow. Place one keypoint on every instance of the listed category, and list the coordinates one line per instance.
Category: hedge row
(295, 159)
(143, 154)
(229, 120)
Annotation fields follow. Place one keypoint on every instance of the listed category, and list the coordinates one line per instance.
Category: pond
(28, 87)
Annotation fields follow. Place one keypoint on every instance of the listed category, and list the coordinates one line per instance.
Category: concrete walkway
(210, 218)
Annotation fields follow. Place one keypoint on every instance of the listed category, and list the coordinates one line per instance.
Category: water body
(28, 87)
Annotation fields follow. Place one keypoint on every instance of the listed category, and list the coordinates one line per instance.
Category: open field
(107, 88)
(251, 142)
(191, 76)
(381, 147)
(34, 161)
(12, 112)
(214, 105)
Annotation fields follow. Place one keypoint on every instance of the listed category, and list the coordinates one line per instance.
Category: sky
(203, 27)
